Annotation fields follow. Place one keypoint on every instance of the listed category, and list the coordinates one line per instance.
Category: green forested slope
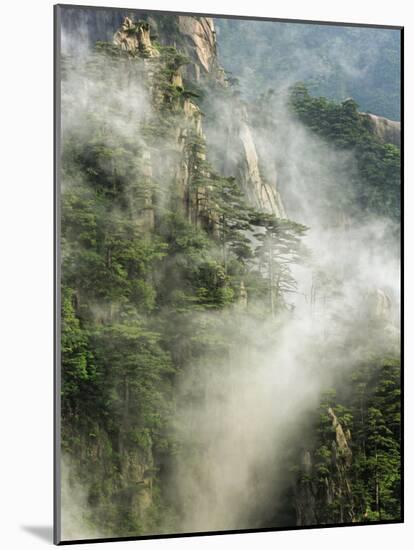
(376, 180)
(135, 270)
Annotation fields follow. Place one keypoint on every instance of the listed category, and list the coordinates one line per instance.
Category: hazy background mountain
(334, 61)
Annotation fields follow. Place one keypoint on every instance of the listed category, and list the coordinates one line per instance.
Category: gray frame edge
(57, 277)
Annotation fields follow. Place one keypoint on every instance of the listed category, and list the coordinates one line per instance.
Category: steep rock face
(262, 128)
(388, 131)
(326, 483)
(195, 37)
(235, 152)
(201, 42)
(260, 192)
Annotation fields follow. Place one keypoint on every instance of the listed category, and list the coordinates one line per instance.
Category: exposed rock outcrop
(341, 439)
(195, 37)
(388, 131)
(134, 37)
(235, 152)
(201, 40)
(331, 491)
(260, 192)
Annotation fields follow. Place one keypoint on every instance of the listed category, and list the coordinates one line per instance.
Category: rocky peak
(134, 37)
(195, 37)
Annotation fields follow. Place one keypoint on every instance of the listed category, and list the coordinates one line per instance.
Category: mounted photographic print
(228, 272)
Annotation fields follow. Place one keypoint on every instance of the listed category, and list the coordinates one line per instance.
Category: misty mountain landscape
(230, 274)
